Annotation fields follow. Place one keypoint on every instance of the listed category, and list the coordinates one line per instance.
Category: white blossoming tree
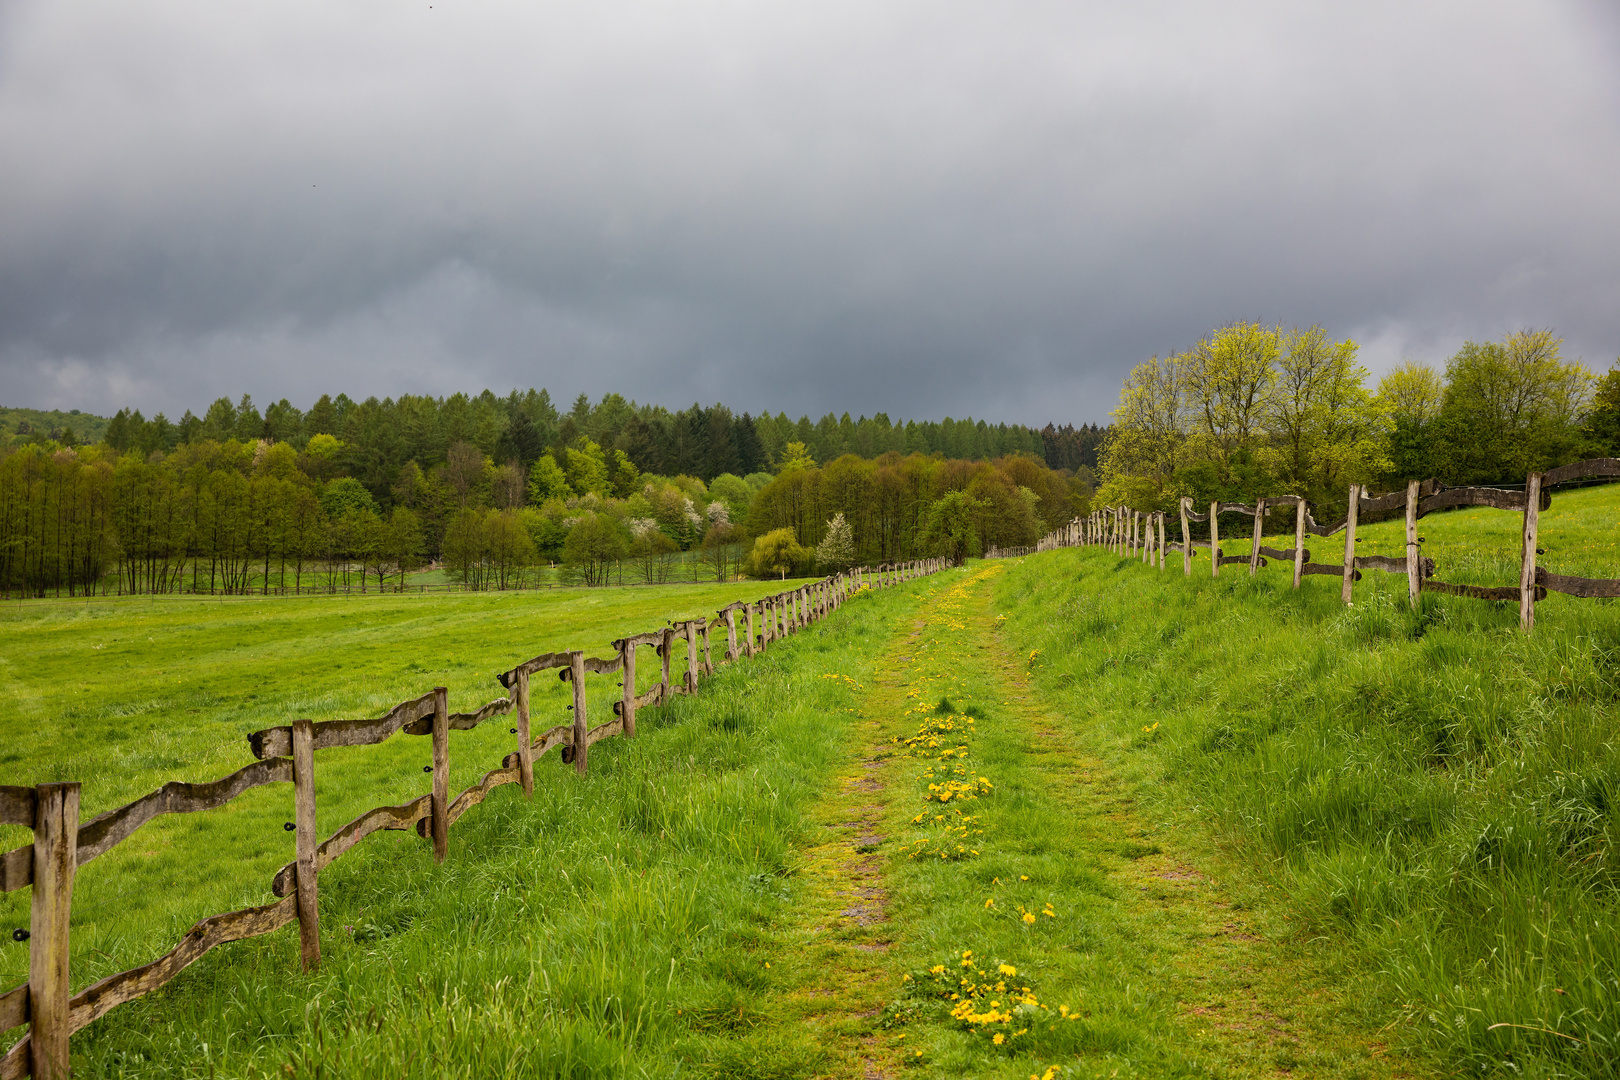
(837, 549)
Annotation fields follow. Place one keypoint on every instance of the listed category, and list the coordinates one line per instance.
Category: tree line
(379, 436)
(250, 512)
(1252, 410)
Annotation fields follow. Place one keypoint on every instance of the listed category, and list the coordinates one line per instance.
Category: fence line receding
(1128, 531)
(286, 755)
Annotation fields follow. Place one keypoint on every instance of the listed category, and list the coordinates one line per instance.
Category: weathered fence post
(1186, 537)
(441, 773)
(1259, 528)
(525, 750)
(627, 707)
(731, 633)
(1299, 540)
(1414, 573)
(307, 841)
(576, 675)
(665, 647)
(1214, 539)
(1162, 548)
(1352, 512)
(691, 657)
(1527, 564)
(56, 856)
(750, 611)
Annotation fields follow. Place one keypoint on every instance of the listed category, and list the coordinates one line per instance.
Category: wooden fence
(1129, 531)
(286, 755)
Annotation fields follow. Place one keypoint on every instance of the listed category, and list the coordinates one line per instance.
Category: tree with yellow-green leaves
(777, 552)
(1254, 410)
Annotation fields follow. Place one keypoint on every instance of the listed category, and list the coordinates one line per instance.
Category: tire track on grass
(847, 926)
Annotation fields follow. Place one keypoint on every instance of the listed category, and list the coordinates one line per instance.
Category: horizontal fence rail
(1128, 531)
(285, 754)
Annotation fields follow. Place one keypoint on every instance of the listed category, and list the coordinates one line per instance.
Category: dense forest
(490, 490)
(1255, 410)
(381, 436)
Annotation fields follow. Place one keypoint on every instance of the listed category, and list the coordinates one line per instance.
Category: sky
(924, 209)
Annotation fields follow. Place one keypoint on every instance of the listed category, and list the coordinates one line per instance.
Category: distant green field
(125, 695)
(1579, 535)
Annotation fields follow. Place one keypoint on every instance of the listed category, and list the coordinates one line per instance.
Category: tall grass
(1430, 789)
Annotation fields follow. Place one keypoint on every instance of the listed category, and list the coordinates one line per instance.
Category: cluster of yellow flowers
(853, 685)
(991, 1003)
(954, 840)
(970, 788)
(948, 730)
(1028, 916)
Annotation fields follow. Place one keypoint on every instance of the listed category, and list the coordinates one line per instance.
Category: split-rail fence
(1129, 531)
(286, 755)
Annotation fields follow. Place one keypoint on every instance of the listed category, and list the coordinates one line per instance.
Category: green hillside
(20, 425)
(1426, 797)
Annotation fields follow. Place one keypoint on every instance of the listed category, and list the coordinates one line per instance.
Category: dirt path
(1173, 971)
(848, 930)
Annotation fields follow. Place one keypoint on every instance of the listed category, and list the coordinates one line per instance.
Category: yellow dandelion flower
(1008, 970)
(999, 1039)
(1029, 917)
(990, 903)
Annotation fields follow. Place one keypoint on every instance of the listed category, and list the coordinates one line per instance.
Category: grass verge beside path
(986, 898)
(1426, 799)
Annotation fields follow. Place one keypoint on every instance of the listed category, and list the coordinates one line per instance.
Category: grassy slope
(1432, 792)
(1470, 547)
(126, 695)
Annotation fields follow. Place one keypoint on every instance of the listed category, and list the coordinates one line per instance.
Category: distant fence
(1129, 531)
(286, 755)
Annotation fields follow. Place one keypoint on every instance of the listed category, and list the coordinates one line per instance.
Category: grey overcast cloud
(926, 209)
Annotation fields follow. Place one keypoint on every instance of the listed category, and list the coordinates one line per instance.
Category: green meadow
(124, 696)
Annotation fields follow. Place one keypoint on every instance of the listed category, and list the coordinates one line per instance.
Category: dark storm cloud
(918, 208)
